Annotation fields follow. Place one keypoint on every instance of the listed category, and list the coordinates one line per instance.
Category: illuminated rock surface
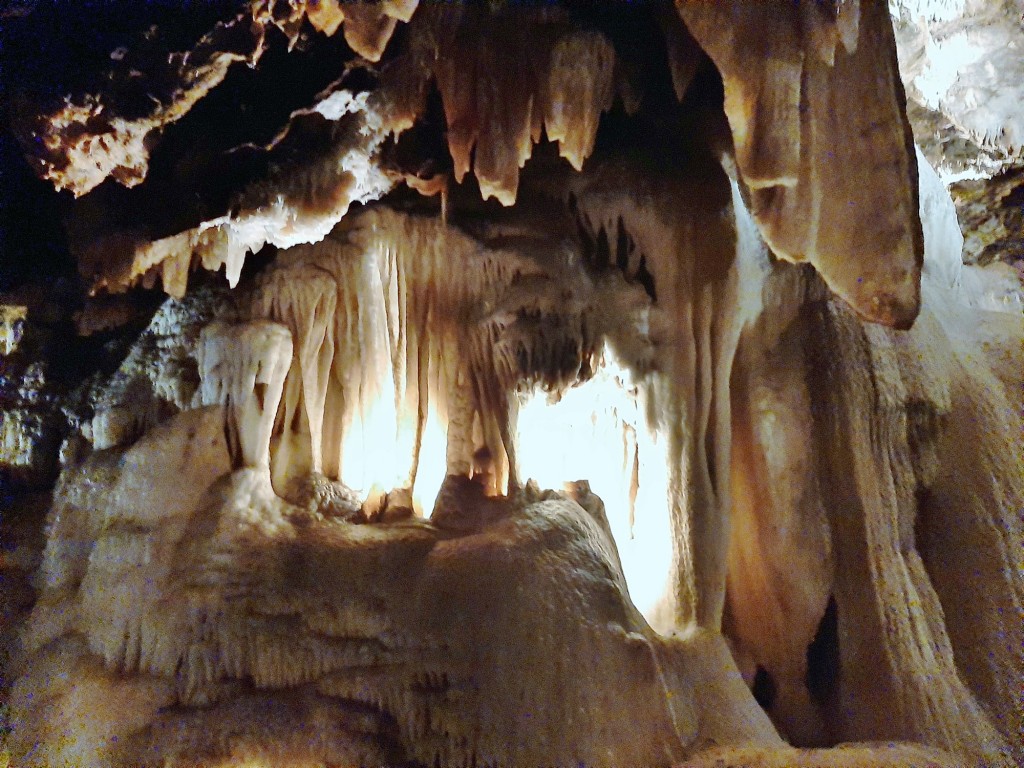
(422, 264)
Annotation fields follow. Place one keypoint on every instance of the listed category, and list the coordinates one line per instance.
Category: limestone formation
(509, 384)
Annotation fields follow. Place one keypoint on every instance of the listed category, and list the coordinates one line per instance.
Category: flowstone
(413, 642)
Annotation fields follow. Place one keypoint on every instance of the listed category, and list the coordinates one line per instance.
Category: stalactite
(501, 87)
(684, 55)
(304, 300)
(387, 340)
(798, 116)
(579, 88)
(401, 330)
(244, 367)
(695, 325)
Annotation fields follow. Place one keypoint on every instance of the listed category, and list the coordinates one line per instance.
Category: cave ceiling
(127, 110)
(227, 121)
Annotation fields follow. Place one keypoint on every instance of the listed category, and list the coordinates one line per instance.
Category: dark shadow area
(823, 667)
(764, 689)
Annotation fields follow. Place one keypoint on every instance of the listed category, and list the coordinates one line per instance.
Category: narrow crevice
(646, 279)
(823, 657)
(764, 688)
(622, 246)
(603, 255)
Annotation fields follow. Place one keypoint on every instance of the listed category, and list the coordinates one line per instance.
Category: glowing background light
(597, 431)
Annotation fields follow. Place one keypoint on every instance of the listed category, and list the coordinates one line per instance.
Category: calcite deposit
(508, 384)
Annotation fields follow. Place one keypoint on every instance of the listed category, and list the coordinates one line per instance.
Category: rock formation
(506, 384)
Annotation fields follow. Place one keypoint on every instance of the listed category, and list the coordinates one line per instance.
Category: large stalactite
(562, 384)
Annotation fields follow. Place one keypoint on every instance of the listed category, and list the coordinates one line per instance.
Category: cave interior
(510, 384)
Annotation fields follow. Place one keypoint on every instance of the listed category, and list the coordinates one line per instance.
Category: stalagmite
(883, 410)
(912, 660)
(781, 564)
(224, 614)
